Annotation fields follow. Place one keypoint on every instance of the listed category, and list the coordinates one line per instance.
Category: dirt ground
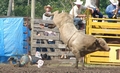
(54, 67)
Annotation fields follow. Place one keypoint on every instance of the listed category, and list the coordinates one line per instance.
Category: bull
(79, 43)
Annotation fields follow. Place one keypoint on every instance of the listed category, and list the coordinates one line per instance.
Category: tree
(97, 3)
(9, 8)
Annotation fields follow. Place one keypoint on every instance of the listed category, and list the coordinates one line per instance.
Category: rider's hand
(84, 15)
(114, 11)
(92, 11)
(47, 14)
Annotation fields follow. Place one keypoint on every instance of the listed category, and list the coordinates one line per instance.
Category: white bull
(79, 43)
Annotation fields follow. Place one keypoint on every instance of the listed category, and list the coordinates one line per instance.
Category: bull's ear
(98, 40)
(101, 41)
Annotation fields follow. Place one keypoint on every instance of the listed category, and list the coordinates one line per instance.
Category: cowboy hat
(114, 2)
(48, 6)
(78, 2)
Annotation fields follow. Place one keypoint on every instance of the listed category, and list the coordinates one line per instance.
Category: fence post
(32, 23)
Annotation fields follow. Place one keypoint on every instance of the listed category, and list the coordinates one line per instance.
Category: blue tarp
(11, 36)
(1, 38)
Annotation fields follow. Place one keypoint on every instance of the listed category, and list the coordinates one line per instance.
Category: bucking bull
(79, 43)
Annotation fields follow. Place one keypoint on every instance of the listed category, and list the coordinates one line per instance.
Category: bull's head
(101, 43)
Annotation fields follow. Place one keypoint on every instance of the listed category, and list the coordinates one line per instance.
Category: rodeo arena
(62, 42)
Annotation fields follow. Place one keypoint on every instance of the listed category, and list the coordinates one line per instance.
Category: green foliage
(20, 2)
(22, 8)
(103, 5)
(3, 7)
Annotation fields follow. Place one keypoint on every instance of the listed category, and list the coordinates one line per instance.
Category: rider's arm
(81, 15)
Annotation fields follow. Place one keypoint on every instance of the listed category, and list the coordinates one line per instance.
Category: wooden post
(32, 23)
(9, 8)
(13, 6)
(98, 3)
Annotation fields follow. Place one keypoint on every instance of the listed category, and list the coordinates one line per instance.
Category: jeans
(97, 13)
(41, 49)
(51, 42)
(78, 22)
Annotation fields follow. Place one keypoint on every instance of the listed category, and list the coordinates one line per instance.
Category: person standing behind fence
(95, 10)
(45, 16)
(48, 16)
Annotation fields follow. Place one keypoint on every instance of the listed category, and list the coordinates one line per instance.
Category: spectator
(94, 9)
(41, 41)
(111, 9)
(47, 15)
(76, 13)
(117, 9)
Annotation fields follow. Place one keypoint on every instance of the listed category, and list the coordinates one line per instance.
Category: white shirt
(90, 3)
(49, 33)
(75, 11)
(47, 18)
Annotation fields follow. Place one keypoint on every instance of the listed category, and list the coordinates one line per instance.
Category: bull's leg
(82, 61)
(77, 60)
(77, 55)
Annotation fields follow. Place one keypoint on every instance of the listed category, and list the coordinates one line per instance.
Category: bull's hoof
(75, 66)
(83, 68)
